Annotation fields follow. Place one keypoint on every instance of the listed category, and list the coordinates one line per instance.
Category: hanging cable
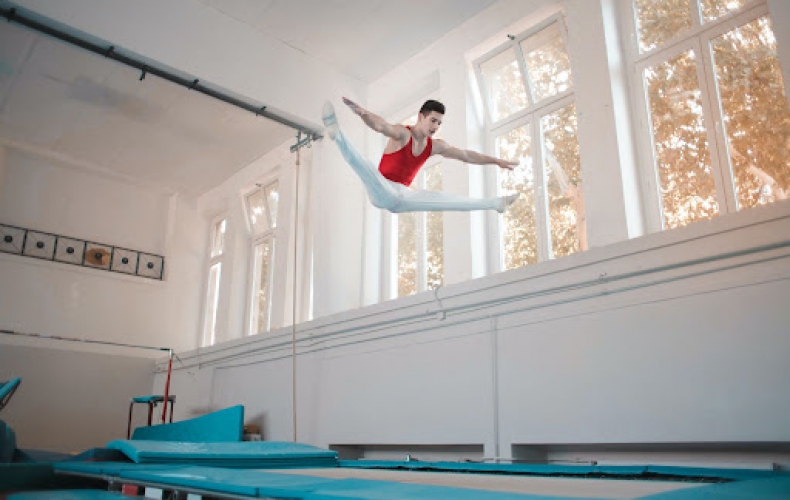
(167, 386)
(294, 284)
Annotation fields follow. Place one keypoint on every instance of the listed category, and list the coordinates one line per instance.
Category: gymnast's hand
(356, 108)
(506, 164)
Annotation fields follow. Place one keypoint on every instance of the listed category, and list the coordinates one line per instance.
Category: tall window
(714, 102)
(261, 205)
(420, 239)
(531, 118)
(217, 241)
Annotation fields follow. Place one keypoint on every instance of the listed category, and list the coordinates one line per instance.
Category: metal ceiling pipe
(13, 15)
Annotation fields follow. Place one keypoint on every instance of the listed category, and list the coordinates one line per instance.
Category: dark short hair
(431, 105)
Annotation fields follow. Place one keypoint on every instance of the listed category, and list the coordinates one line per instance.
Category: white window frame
(211, 311)
(530, 117)
(273, 235)
(697, 38)
(391, 291)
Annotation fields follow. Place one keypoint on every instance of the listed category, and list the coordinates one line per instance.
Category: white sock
(507, 201)
(330, 120)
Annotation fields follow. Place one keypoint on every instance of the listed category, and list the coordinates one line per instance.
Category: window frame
(273, 235)
(698, 39)
(515, 43)
(208, 334)
(421, 239)
(530, 117)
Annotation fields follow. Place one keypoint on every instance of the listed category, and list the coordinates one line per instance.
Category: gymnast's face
(430, 123)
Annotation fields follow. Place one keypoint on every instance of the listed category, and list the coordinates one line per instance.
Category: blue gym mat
(234, 481)
(68, 495)
(7, 443)
(110, 468)
(7, 390)
(776, 488)
(563, 470)
(298, 487)
(243, 454)
(361, 489)
(219, 426)
(773, 486)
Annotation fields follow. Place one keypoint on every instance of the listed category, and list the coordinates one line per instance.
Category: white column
(607, 167)
(459, 248)
(338, 216)
(780, 20)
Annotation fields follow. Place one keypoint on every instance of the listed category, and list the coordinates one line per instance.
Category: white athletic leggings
(397, 198)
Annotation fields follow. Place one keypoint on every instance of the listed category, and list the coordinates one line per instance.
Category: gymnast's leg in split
(395, 197)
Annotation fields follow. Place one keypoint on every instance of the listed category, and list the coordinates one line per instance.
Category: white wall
(73, 396)
(519, 358)
(234, 56)
(676, 338)
(50, 195)
(51, 298)
(70, 401)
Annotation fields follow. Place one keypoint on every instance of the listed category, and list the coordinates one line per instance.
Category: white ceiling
(63, 102)
(361, 38)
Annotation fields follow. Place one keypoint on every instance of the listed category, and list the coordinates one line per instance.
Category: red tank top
(402, 166)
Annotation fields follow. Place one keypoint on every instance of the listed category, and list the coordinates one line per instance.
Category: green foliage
(434, 229)
(682, 158)
(748, 90)
(714, 9)
(548, 67)
(548, 73)
(407, 254)
(421, 236)
(504, 85)
(755, 109)
(661, 20)
(519, 225)
(563, 179)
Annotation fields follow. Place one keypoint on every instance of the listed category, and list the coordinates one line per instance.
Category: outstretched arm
(440, 147)
(376, 122)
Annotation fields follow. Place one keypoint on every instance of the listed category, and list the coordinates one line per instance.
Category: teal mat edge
(745, 484)
(556, 469)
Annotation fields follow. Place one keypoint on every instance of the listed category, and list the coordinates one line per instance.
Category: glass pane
(434, 227)
(756, 117)
(519, 228)
(212, 301)
(548, 66)
(272, 194)
(661, 20)
(407, 254)
(259, 322)
(504, 85)
(681, 146)
(563, 181)
(257, 212)
(218, 237)
(714, 9)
